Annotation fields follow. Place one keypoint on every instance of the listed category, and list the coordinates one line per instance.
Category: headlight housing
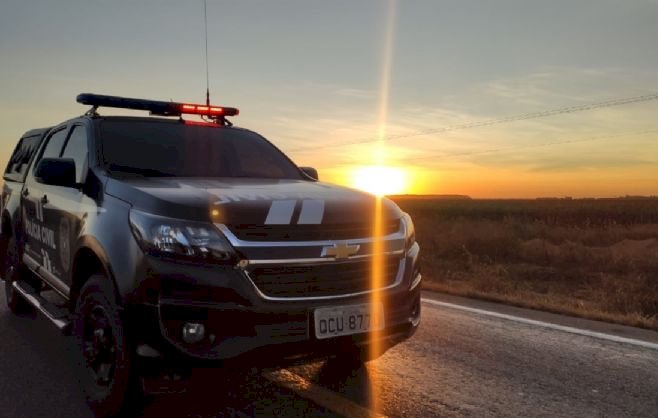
(177, 238)
(409, 231)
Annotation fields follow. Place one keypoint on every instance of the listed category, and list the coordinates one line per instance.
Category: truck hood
(251, 202)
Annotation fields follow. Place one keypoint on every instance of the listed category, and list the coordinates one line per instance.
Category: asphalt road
(460, 363)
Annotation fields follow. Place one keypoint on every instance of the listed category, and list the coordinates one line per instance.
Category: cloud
(356, 93)
(331, 126)
(571, 164)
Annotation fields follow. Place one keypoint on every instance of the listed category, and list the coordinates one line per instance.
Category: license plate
(347, 320)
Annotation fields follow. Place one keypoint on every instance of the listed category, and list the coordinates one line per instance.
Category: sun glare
(380, 180)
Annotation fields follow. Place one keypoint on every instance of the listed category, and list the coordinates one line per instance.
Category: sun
(380, 180)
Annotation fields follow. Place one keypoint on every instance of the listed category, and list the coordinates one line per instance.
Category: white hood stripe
(280, 212)
(312, 212)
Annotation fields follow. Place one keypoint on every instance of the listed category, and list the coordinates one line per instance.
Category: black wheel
(106, 372)
(16, 303)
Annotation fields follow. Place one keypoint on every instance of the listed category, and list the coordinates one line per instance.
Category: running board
(58, 316)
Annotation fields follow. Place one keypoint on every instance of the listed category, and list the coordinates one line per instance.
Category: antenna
(205, 19)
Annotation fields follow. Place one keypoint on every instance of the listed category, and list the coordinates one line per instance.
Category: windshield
(157, 148)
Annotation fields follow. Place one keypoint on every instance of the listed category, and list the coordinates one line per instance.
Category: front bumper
(243, 326)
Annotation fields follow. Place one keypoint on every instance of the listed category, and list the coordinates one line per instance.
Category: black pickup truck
(159, 242)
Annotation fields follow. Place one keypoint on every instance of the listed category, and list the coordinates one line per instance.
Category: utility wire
(489, 122)
(544, 144)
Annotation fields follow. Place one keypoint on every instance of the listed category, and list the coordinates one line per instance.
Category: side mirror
(310, 172)
(56, 172)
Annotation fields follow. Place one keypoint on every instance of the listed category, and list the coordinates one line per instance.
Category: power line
(544, 144)
(489, 122)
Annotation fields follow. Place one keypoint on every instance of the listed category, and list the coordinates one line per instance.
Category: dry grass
(595, 259)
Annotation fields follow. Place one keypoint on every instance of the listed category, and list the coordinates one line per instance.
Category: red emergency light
(194, 109)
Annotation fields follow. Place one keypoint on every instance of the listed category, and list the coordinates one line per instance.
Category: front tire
(11, 272)
(106, 372)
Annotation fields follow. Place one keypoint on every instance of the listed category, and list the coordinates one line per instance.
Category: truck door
(37, 216)
(69, 205)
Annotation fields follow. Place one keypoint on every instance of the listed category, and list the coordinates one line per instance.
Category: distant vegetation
(596, 258)
(432, 197)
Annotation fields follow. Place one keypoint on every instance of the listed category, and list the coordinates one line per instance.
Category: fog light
(193, 332)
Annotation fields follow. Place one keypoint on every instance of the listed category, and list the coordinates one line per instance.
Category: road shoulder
(562, 321)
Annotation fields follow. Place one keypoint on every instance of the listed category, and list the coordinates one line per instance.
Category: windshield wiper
(146, 172)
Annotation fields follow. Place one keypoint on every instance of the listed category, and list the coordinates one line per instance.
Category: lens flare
(380, 180)
(376, 299)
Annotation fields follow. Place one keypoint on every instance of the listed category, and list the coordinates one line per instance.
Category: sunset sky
(316, 77)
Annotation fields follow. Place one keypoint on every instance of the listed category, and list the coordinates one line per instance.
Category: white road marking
(572, 330)
(321, 396)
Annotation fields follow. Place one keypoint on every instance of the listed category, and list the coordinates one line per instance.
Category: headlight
(409, 231)
(169, 237)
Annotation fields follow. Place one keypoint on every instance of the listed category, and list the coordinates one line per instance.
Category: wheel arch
(89, 259)
(6, 232)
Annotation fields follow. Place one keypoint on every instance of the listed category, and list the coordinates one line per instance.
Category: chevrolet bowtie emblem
(340, 251)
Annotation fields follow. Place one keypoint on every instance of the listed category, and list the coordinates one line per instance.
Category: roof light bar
(156, 107)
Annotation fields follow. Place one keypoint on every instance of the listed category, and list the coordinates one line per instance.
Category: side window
(54, 146)
(21, 157)
(76, 148)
